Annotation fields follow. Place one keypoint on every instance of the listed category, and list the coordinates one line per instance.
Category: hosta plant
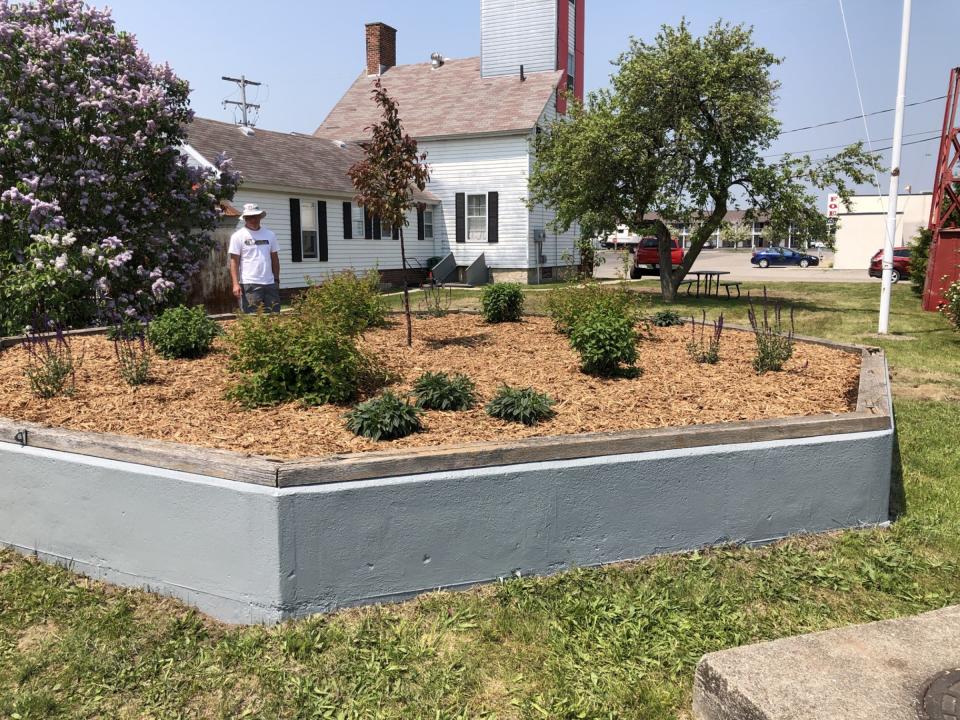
(441, 391)
(666, 318)
(522, 405)
(385, 417)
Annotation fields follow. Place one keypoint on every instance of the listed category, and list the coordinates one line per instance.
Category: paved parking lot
(737, 263)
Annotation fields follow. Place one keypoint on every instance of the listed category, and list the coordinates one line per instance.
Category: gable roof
(282, 159)
(450, 100)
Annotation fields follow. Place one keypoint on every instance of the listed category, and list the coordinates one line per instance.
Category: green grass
(615, 642)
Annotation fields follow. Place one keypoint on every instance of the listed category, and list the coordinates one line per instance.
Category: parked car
(818, 245)
(646, 259)
(782, 256)
(901, 264)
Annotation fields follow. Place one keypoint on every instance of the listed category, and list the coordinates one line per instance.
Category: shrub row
(388, 416)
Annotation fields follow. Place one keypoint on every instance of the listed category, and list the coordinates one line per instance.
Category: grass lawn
(615, 642)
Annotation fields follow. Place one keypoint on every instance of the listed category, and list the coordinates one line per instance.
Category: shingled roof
(450, 100)
(282, 159)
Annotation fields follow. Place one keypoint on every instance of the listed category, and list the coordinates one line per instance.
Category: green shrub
(605, 340)
(502, 302)
(523, 405)
(919, 256)
(774, 344)
(567, 303)
(385, 417)
(666, 318)
(183, 333)
(440, 391)
(346, 302)
(283, 359)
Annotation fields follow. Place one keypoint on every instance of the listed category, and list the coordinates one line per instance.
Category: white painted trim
(192, 152)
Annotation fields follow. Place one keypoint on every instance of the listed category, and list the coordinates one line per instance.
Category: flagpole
(886, 286)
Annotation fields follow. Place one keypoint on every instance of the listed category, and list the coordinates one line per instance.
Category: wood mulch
(185, 401)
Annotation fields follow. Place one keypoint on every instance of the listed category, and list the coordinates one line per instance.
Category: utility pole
(243, 104)
(886, 286)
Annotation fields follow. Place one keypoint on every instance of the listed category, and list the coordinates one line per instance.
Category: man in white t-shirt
(255, 263)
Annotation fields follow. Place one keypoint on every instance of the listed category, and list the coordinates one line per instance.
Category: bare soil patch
(185, 402)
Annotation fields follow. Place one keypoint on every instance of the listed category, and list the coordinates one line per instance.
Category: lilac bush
(101, 217)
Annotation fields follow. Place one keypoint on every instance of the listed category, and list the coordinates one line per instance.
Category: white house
(475, 118)
(302, 183)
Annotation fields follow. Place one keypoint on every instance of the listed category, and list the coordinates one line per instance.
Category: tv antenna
(242, 103)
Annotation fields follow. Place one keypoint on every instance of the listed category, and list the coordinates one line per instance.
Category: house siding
(482, 165)
(515, 33)
(357, 254)
(555, 245)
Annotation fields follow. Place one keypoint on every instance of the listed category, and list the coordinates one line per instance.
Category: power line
(912, 142)
(836, 147)
(858, 117)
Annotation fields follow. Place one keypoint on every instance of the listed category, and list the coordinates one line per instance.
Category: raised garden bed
(186, 404)
(616, 475)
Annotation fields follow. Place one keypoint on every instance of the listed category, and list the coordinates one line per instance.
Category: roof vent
(246, 130)
(436, 60)
(340, 144)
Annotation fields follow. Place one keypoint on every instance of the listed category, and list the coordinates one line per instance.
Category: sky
(307, 54)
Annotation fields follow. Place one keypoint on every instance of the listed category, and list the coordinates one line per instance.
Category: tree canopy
(100, 214)
(679, 137)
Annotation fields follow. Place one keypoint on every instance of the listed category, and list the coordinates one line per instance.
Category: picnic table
(711, 282)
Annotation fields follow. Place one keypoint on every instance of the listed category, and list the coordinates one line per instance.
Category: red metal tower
(943, 267)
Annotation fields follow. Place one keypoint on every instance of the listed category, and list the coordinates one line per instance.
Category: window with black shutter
(347, 221)
(296, 241)
(493, 217)
(461, 202)
(323, 250)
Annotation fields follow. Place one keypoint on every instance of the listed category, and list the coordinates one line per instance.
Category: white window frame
(316, 231)
(468, 216)
(428, 234)
(357, 216)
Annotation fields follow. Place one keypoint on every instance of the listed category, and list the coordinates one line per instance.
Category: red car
(646, 260)
(901, 264)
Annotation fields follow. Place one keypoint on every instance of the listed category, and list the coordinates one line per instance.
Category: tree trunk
(406, 293)
(668, 288)
(670, 279)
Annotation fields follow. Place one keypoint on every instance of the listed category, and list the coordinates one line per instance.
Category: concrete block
(873, 671)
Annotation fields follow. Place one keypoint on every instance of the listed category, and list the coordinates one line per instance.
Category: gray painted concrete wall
(251, 554)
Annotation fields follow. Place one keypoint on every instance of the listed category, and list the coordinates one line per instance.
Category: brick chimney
(381, 47)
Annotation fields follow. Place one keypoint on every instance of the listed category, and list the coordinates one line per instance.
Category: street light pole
(886, 286)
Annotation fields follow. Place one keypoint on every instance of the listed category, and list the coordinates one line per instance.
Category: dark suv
(901, 264)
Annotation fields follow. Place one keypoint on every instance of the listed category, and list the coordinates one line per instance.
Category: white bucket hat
(252, 210)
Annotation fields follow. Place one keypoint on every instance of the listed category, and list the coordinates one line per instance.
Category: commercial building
(861, 229)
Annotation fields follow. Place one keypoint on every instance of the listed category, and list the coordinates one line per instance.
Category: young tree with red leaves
(385, 179)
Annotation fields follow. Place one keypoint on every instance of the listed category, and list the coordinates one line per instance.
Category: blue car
(766, 257)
